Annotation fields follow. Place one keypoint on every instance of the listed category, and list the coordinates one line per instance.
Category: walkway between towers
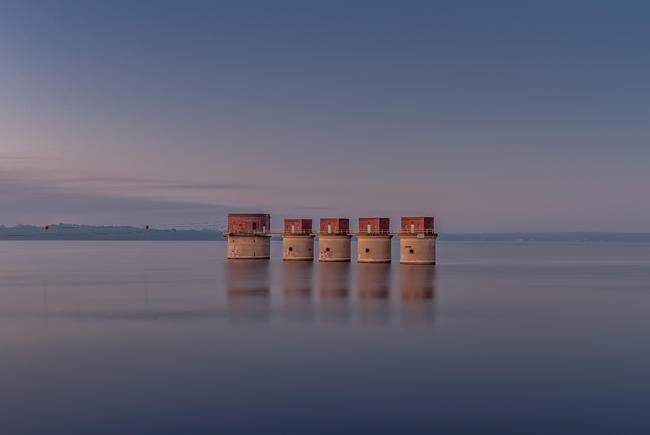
(280, 233)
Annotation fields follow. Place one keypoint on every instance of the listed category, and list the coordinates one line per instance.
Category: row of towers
(249, 237)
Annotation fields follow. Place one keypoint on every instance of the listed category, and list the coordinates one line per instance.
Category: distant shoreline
(91, 232)
(574, 236)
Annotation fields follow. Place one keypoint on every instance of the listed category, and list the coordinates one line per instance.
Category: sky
(489, 116)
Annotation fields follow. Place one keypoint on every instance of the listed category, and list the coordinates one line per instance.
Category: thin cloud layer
(46, 201)
(512, 117)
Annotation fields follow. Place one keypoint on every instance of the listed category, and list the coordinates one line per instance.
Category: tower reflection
(374, 290)
(297, 279)
(333, 289)
(249, 300)
(416, 293)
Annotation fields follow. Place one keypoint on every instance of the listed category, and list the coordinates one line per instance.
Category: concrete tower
(417, 244)
(248, 236)
(334, 240)
(297, 240)
(374, 240)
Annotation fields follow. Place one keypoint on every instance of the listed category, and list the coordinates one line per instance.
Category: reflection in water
(297, 284)
(103, 361)
(333, 289)
(46, 299)
(416, 293)
(145, 281)
(381, 296)
(374, 292)
(249, 295)
(249, 298)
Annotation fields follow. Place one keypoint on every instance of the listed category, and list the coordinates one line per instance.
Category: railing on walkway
(316, 232)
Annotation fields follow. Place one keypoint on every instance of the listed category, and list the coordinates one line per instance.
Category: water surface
(170, 337)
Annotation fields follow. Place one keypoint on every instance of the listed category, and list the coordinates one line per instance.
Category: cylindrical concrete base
(298, 247)
(334, 247)
(249, 247)
(374, 248)
(414, 249)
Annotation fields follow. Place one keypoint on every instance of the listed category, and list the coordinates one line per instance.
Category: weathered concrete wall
(249, 247)
(373, 249)
(417, 249)
(298, 247)
(335, 247)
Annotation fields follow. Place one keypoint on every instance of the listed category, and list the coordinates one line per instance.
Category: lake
(170, 337)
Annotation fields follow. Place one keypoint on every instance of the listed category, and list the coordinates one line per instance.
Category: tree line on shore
(93, 232)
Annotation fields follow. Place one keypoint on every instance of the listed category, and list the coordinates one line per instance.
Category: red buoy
(146, 226)
(46, 227)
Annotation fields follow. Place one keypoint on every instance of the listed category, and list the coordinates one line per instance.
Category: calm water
(169, 337)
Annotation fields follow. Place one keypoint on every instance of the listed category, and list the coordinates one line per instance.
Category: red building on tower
(417, 224)
(335, 225)
(374, 225)
(249, 223)
(297, 226)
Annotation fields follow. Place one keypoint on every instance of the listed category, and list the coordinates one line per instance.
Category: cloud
(42, 202)
(14, 158)
(200, 186)
(143, 183)
(33, 180)
(54, 207)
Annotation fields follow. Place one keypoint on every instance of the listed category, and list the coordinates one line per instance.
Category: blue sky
(490, 116)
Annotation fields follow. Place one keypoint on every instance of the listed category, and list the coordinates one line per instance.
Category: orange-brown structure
(417, 224)
(374, 240)
(297, 240)
(248, 236)
(297, 226)
(334, 240)
(245, 223)
(417, 241)
(334, 225)
(374, 225)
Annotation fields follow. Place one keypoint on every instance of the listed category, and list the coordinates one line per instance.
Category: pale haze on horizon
(490, 116)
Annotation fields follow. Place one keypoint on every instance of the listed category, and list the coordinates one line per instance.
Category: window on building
(254, 225)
